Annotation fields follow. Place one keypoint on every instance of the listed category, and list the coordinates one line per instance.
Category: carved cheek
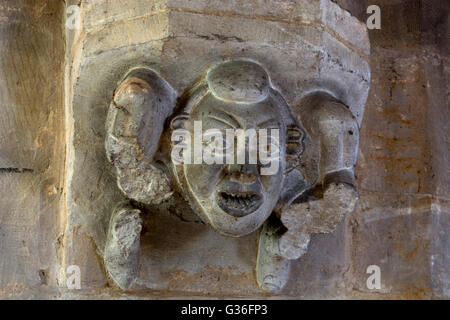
(271, 183)
(203, 178)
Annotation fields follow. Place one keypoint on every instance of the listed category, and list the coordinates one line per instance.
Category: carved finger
(149, 186)
(123, 246)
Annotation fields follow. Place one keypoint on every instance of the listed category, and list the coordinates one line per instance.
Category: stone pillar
(32, 147)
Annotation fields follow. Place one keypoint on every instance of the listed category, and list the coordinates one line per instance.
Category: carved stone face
(235, 199)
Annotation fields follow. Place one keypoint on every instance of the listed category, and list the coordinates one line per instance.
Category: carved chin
(239, 204)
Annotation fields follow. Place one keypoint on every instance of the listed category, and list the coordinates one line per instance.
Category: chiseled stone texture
(31, 146)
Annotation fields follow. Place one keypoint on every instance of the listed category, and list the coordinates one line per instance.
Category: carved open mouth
(239, 204)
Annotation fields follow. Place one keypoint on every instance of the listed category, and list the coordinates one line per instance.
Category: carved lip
(239, 204)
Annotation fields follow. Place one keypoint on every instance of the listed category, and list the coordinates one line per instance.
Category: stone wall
(402, 219)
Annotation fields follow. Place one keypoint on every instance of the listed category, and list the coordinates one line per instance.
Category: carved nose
(243, 174)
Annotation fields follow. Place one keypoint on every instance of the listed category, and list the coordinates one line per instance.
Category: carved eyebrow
(234, 126)
(273, 124)
(238, 124)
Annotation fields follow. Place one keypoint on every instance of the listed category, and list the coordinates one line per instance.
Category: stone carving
(310, 191)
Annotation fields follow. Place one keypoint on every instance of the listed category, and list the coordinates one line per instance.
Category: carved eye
(216, 142)
(294, 143)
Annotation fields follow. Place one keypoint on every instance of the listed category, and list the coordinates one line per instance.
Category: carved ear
(294, 183)
(135, 121)
(334, 133)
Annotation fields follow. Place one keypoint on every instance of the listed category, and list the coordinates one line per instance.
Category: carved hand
(134, 125)
(123, 245)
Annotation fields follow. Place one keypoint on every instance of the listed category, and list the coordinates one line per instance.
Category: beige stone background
(401, 223)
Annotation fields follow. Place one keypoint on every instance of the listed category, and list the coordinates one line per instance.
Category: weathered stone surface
(397, 236)
(123, 245)
(400, 224)
(184, 42)
(31, 147)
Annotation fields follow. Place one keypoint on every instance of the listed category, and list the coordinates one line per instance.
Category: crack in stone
(16, 170)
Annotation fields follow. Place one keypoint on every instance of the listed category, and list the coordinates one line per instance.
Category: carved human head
(237, 103)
